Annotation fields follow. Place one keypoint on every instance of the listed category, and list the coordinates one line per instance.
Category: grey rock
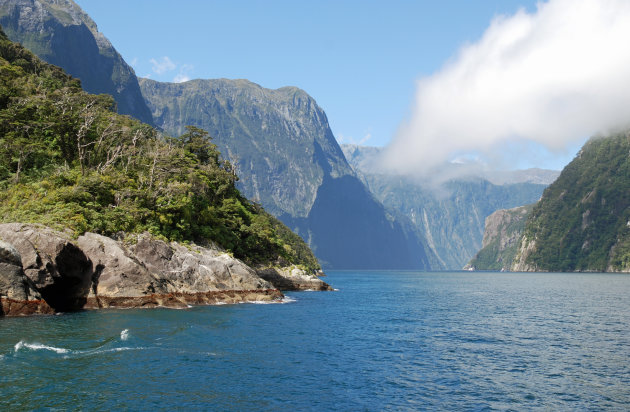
(13, 283)
(57, 268)
(117, 272)
(195, 269)
(148, 272)
(292, 278)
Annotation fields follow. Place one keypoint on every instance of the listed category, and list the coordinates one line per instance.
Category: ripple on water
(397, 341)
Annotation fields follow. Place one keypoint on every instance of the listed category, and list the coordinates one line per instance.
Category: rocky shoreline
(43, 271)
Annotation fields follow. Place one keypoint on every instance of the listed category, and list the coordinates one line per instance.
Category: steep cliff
(501, 238)
(60, 33)
(289, 161)
(582, 222)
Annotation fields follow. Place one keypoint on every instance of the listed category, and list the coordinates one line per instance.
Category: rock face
(43, 271)
(60, 33)
(292, 278)
(501, 238)
(151, 272)
(58, 269)
(17, 293)
(289, 161)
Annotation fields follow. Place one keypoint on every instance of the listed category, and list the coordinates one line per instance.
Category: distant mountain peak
(61, 33)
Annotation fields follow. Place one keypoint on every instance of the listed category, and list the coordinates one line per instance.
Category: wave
(38, 346)
(286, 299)
(21, 345)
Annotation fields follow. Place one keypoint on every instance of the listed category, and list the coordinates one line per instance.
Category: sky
(375, 67)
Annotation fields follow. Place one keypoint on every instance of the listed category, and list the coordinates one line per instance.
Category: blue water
(384, 341)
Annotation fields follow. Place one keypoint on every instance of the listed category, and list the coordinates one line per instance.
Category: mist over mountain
(449, 210)
(370, 159)
(60, 33)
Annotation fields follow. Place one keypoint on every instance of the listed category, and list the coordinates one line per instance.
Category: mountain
(450, 215)
(501, 238)
(582, 221)
(290, 162)
(60, 33)
(69, 162)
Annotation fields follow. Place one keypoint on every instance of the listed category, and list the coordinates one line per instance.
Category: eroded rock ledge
(46, 271)
(292, 278)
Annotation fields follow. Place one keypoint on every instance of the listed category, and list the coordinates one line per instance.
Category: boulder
(57, 268)
(117, 272)
(18, 295)
(292, 278)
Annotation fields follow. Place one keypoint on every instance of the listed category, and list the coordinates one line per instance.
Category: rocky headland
(43, 271)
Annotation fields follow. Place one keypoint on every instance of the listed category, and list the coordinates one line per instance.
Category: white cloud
(550, 78)
(183, 75)
(181, 78)
(163, 65)
(343, 139)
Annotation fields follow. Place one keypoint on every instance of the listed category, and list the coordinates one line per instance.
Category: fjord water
(384, 341)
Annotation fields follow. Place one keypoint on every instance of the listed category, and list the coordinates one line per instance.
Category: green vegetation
(582, 222)
(67, 160)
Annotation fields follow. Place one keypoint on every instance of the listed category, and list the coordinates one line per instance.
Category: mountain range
(290, 162)
(449, 214)
(280, 141)
(352, 213)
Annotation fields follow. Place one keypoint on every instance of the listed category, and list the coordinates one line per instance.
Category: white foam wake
(38, 346)
(21, 346)
(288, 299)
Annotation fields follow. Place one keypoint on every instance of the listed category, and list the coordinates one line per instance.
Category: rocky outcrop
(45, 271)
(17, 293)
(147, 272)
(57, 268)
(292, 278)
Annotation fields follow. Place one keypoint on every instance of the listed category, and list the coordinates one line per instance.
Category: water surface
(385, 340)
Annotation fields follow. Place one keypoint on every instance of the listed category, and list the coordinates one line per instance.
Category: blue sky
(359, 59)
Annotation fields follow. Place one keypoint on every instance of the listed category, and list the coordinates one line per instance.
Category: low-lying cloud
(166, 65)
(163, 65)
(551, 78)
